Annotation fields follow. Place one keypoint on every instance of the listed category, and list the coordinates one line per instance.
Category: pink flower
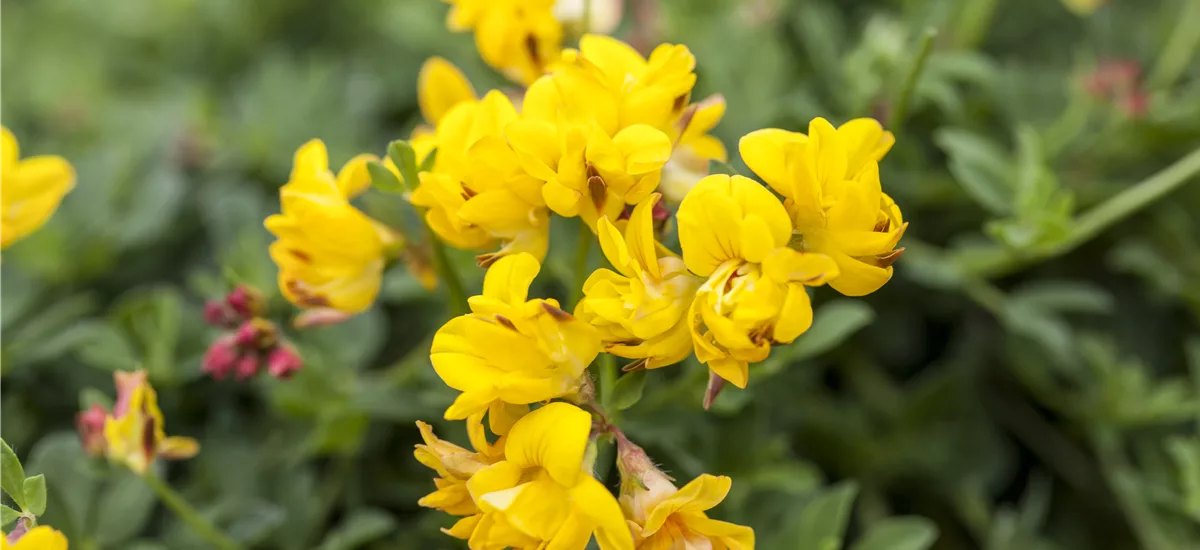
(90, 425)
(247, 366)
(246, 301)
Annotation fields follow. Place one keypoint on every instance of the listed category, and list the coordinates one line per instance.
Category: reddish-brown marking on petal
(638, 364)
(556, 313)
(505, 321)
(486, 260)
(300, 255)
(597, 188)
(886, 260)
(149, 445)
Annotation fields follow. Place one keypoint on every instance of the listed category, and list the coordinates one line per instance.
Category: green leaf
(93, 396)
(383, 179)
(833, 323)
(628, 390)
(124, 508)
(361, 527)
(1185, 453)
(405, 159)
(427, 162)
(901, 533)
(979, 166)
(34, 489)
(1065, 296)
(12, 475)
(822, 523)
(8, 515)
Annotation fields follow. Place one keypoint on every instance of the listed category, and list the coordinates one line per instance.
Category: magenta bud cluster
(250, 342)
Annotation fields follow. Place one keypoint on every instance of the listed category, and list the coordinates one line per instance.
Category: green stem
(973, 23)
(447, 274)
(607, 365)
(900, 109)
(1179, 49)
(1124, 484)
(582, 247)
(189, 515)
(586, 23)
(1101, 217)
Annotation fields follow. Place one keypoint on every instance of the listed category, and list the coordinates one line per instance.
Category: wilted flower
(735, 232)
(830, 179)
(30, 189)
(640, 310)
(662, 516)
(510, 349)
(541, 494)
(516, 37)
(39, 538)
(134, 432)
(329, 253)
(454, 465)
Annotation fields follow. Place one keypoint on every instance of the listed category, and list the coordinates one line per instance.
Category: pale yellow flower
(519, 38)
(30, 189)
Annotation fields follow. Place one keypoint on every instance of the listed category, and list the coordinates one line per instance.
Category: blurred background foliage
(1028, 380)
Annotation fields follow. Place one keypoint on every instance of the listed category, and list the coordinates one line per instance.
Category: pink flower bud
(284, 361)
(90, 425)
(319, 317)
(246, 301)
(247, 366)
(256, 334)
(221, 357)
(127, 383)
(218, 314)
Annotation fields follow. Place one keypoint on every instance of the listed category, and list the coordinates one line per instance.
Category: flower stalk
(189, 515)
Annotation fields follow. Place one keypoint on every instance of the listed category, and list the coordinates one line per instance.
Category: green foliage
(1029, 379)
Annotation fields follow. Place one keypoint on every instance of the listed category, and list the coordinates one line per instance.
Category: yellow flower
(652, 91)
(639, 311)
(540, 495)
(134, 433)
(735, 232)
(586, 172)
(39, 538)
(330, 255)
(477, 193)
(510, 350)
(830, 179)
(662, 516)
(519, 38)
(694, 148)
(30, 189)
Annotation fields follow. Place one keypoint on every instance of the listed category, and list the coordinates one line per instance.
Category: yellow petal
(763, 151)
(497, 477)
(644, 148)
(699, 495)
(354, 178)
(42, 537)
(735, 371)
(178, 448)
(857, 207)
(786, 265)
(553, 437)
(463, 528)
(10, 151)
(593, 499)
(441, 86)
(537, 508)
(865, 141)
(732, 536)
(857, 278)
(614, 248)
(639, 236)
(796, 316)
(311, 160)
(509, 278)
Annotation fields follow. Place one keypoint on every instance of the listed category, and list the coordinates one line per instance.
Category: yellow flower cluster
(30, 189)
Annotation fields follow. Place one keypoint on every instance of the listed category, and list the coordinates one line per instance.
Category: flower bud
(284, 361)
(219, 314)
(221, 357)
(246, 301)
(643, 485)
(90, 425)
(256, 334)
(247, 366)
